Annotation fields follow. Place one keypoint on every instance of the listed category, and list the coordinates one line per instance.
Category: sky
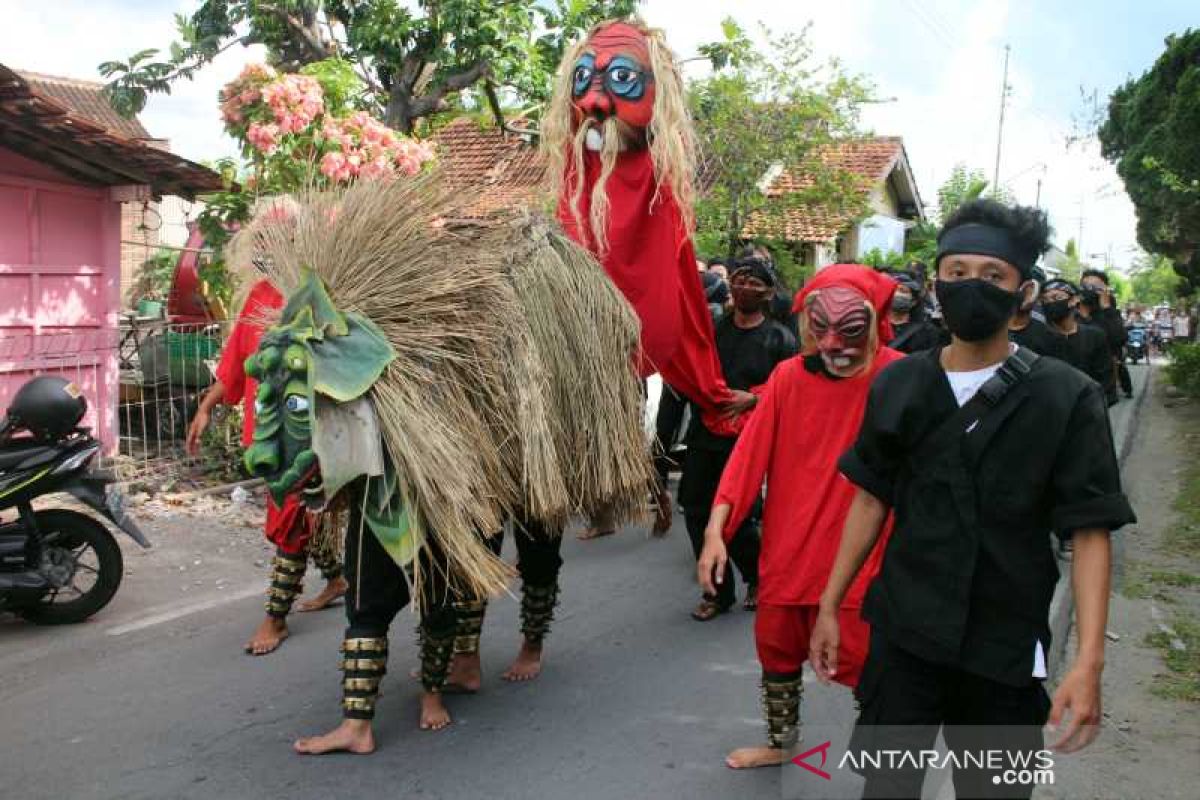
(937, 64)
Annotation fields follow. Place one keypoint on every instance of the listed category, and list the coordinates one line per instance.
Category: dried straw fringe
(512, 387)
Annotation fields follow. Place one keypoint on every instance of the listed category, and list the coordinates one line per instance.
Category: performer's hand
(823, 646)
(196, 430)
(1079, 693)
(740, 404)
(710, 570)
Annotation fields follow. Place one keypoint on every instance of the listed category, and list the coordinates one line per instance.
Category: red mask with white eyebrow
(839, 320)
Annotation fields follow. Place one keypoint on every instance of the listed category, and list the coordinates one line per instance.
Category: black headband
(986, 240)
(754, 268)
(1062, 285)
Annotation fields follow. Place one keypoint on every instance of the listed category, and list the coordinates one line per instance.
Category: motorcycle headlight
(78, 460)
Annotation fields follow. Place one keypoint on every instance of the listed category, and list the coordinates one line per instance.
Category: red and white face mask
(839, 321)
(612, 77)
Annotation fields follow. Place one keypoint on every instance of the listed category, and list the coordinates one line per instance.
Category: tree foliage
(764, 110)
(1154, 281)
(414, 58)
(1151, 135)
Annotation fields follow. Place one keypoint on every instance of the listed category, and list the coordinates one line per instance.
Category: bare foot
(662, 514)
(266, 639)
(333, 591)
(352, 736)
(752, 757)
(601, 524)
(528, 664)
(434, 715)
(465, 675)
(593, 532)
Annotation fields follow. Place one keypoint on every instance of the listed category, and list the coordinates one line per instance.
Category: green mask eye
(296, 404)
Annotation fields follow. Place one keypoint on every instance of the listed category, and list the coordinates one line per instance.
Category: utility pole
(1000, 129)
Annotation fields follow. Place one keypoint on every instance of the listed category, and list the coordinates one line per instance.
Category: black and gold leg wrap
(364, 663)
(436, 651)
(781, 704)
(328, 563)
(537, 610)
(468, 625)
(287, 581)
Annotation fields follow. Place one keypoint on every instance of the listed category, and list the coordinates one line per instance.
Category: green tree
(1153, 280)
(1151, 135)
(765, 110)
(414, 58)
(963, 186)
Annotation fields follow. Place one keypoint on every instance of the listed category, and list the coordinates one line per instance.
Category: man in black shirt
(1098, 308)
(913, 332)
(750, 345)
(980, 450)
(1029, 332)
(1085, 346)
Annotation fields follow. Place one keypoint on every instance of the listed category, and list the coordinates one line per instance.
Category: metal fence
(143, 383)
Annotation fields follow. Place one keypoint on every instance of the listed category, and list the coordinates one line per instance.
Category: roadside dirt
(1150, 743)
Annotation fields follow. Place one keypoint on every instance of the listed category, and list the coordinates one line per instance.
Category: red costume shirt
(802, 425)
(651, 260)
(242, 343)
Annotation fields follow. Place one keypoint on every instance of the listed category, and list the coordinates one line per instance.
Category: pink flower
(264, 138)
(335, 167)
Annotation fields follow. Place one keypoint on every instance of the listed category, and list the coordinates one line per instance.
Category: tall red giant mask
(612, 78)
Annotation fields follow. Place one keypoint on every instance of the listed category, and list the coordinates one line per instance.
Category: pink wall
(59, 286)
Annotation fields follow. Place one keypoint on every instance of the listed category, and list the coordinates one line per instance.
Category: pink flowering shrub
(294, 138)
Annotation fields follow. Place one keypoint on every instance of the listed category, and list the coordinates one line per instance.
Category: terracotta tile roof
(870, 159)
(45, 129)
(504, 170)
(84, 99)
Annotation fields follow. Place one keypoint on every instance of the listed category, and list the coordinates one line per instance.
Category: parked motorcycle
(57, 565)
(1136, 345)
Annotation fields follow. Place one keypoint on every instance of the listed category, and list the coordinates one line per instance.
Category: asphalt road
(155, 699)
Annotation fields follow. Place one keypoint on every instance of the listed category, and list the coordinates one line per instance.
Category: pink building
(63, 179)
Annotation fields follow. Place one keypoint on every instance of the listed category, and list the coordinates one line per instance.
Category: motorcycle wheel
(86, 562)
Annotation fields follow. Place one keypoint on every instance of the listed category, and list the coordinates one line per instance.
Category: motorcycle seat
(13, 454)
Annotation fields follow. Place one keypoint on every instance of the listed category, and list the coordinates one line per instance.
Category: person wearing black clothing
(750, 345)
(1027, 331)
(913, 332)
(1098, 308)
(1085, 346)
(979, 450)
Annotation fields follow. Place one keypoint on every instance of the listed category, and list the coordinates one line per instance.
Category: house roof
(872, 160)
(46, 128)
(502, 169)
(84, 99)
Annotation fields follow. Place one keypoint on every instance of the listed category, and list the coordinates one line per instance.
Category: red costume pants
(289, 528)
(782, 633)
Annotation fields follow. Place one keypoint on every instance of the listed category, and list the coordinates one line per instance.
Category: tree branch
(494, 102)
(432, 99)
(309, 39)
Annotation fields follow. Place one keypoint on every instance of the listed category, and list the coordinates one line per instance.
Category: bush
(1184, 369)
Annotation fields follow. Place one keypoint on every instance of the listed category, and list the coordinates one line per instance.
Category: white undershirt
(965, 385)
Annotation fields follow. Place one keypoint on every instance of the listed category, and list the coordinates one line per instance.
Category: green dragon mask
(314, 371)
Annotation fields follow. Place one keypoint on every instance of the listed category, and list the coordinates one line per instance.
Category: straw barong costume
(445, 377)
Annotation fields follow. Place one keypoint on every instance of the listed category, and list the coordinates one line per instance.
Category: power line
(1004, 88)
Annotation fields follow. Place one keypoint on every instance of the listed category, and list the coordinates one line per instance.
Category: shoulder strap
(1014, 370)
(903, 338)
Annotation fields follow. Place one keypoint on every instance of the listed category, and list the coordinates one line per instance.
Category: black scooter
(57, 565)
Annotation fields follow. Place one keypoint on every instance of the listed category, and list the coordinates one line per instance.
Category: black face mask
(1089, 297)
(1057, 310)
(902, 303)
(975, 309)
